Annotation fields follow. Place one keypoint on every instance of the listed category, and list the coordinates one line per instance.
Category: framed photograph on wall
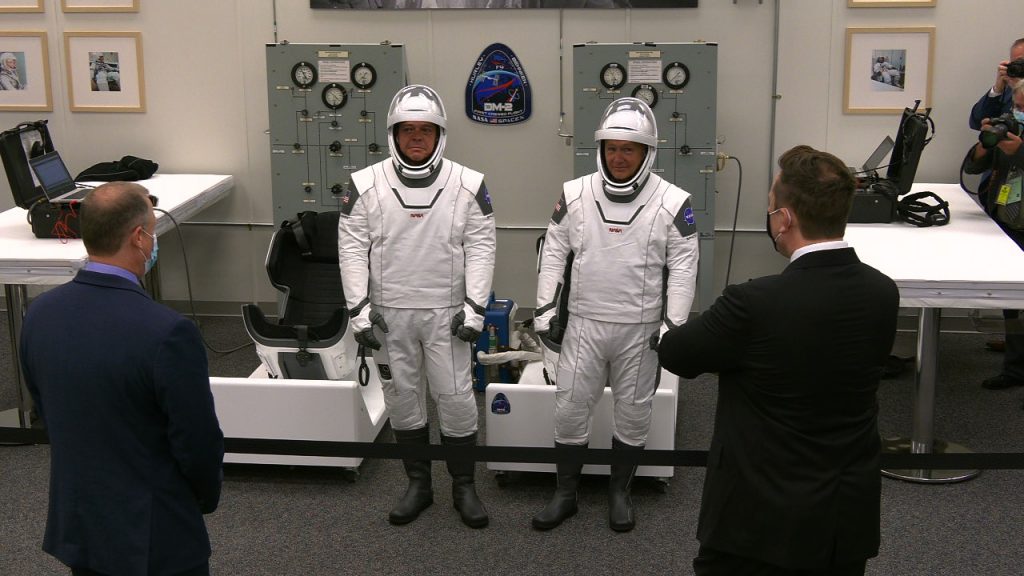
(21, 5)
(890, 3)
(100, 5)
(105, 71)
(24, 71)
(887, 69)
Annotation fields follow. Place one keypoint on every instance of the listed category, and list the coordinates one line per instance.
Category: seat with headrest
(309, 340)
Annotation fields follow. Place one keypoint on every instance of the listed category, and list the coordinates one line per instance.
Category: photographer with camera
(999, 150)
(999, 100)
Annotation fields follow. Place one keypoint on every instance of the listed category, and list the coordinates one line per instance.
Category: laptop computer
(868, 170)
(55, 180)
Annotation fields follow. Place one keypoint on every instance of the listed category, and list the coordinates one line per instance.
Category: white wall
(207, 107)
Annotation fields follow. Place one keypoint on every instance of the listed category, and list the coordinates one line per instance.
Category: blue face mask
(1019, 115)
(151, 261)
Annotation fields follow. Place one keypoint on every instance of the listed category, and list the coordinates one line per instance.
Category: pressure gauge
(647, 94)
(613, 76)
(676, 75)
(363, 75)
(334, 96)
(304, 74)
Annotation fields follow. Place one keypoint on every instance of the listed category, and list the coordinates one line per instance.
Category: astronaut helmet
(627, 119)
(416, 103)
(5, 58)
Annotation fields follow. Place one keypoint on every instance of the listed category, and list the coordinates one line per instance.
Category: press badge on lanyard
(1009, 193)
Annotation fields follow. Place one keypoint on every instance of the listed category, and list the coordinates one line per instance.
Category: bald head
(110, 213)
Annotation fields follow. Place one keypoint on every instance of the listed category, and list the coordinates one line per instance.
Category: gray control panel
(328, 118)
(679, 82)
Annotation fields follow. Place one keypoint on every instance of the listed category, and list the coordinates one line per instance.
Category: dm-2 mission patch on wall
(498, 91)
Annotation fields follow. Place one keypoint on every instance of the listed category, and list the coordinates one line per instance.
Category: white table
(969, 263)
(27, 260)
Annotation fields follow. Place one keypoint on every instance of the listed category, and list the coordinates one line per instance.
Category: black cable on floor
(191, 302)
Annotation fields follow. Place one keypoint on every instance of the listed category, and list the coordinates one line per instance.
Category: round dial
(676, 75)
(334, 96)
(363, 75)
(304, 74)
(613, 76)
(647, 93)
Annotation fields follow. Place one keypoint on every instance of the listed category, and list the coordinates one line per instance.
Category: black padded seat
(308, 341)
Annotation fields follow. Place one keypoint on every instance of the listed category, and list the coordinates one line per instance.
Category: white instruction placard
(334, 71)
(644, 71)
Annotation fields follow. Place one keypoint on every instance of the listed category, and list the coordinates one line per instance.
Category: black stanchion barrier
(681, 458)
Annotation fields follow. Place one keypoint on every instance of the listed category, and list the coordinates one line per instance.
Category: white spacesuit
(623, 234)
(416, 246)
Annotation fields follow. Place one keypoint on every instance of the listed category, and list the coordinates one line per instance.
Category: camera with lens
(996, 131)
(1015, 69)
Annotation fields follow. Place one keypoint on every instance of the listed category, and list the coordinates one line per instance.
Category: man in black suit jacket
(123, 387)
(793, 482)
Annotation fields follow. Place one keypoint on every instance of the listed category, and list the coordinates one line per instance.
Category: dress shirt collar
(817, 247)
(111, 269)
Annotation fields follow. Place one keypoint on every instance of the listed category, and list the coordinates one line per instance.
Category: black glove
(654, 341)
(463, 332)
(554, 332)
(366, 337)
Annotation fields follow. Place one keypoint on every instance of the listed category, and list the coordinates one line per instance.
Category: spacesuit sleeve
(478, 243)
(354, 254)
(681, 259)
(552, 266)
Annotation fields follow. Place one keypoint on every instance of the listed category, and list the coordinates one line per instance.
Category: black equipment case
(17, 145)
(877, 200)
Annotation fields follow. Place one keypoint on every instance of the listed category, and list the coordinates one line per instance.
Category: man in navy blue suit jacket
(793, 483)
(122, 385)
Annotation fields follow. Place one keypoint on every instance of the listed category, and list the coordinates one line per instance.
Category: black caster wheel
(661, 485)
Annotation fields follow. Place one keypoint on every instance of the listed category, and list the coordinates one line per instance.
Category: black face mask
(768, 229)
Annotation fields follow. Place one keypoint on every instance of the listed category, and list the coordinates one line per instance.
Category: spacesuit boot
(563, 504)
(464, 496)
(620, 505)
(418, 495)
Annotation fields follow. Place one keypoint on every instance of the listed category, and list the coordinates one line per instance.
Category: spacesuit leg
(634, 380)
(399, 363)
(580, 383)
(447, 362)
(582, 373)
